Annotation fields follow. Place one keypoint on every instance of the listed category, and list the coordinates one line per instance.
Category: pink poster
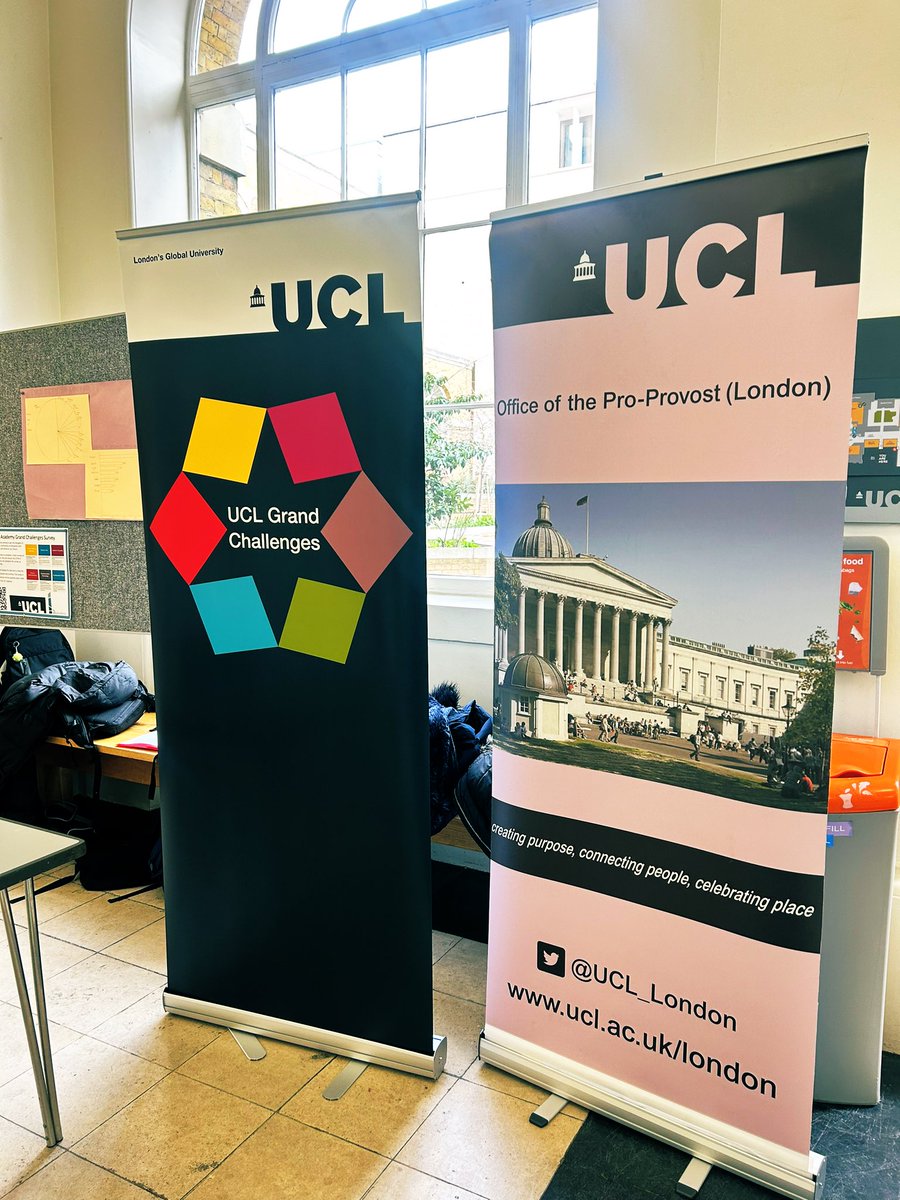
(673, 377)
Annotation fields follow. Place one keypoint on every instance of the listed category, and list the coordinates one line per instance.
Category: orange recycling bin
(865, 774)
(863, 798)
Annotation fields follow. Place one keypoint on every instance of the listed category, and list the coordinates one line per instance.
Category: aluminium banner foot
(251, 1046)
(551, 1108)
(693, 1178)
(344, 1080)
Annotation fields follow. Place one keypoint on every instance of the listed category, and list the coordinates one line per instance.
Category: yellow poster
(112, 488)
(57, 429)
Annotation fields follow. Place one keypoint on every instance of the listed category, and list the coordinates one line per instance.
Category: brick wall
(220, 33)
(218, 191)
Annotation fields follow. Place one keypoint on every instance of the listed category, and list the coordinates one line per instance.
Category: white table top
(26, 851)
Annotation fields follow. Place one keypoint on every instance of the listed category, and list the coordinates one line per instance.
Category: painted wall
(809, 71)
(658, 66)
(29, 290)
(90, 151)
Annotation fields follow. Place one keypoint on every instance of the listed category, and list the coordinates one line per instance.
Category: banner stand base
(624, 1105)
(693, 1178)
(380, 1055)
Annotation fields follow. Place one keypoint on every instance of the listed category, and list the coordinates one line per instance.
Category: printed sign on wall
(34, 574)
(854, 639)
(673, 375)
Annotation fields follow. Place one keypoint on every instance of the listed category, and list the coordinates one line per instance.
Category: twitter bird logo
(551, 959)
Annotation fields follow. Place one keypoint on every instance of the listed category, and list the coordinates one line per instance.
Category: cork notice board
(107, 558)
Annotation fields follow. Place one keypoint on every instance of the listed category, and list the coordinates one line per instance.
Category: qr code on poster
(4, 600)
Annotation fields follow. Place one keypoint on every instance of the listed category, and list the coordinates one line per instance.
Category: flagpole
(586, 501)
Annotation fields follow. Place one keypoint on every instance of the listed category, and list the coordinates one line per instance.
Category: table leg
(22, 988)
(37, 975)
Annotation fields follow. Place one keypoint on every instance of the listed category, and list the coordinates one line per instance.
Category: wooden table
(24, 853)
(116, 762)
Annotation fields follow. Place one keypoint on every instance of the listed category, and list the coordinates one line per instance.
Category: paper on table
(145, 741)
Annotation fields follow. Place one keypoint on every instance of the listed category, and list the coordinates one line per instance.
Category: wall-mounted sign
(854, 637)
(873, 467)
(862, 615)
(34, 573)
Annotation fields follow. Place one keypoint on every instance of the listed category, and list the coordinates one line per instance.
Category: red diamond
(365, 532)
(186, 528)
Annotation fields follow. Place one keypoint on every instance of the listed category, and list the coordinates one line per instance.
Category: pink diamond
(365, 532)
(314, 438)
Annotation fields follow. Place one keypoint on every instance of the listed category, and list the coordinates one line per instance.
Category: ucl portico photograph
(642, 638)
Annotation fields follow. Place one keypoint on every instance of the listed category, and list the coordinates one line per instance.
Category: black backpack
(100, 700)
(27, 651)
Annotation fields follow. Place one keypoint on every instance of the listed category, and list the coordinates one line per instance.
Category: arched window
(479, 104)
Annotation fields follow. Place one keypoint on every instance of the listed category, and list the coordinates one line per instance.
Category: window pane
(563, 81)
(308, 143)
(247, 48)
(465, 139)
(383, 106)
(227, 33)
(302, 22)
(226, 141)
(366, 13)
(459, 367)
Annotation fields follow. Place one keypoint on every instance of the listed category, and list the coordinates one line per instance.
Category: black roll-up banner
(277, 371)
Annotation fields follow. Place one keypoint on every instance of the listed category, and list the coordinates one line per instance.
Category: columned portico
(579, 635)
(664, 673)
(708, 677)
(582, 589)
(594, 648)
(614, 651)
(633, 649)
(650, 634)
(598, 641)
(560, 618)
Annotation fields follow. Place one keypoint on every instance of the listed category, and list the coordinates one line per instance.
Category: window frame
(423, 31)
(430, 29)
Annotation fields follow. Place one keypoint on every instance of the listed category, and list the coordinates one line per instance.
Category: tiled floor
(156, 1105)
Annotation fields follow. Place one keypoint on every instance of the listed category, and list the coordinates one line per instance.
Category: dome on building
(541, 540)
(535, 673)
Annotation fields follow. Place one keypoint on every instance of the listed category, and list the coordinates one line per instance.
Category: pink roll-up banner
(674, 369)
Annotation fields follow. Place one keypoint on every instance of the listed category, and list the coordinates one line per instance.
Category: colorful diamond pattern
(314, 438)
(321, 620)
(233, 615)
(364, 530)
(224, 439)
(186, 528)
